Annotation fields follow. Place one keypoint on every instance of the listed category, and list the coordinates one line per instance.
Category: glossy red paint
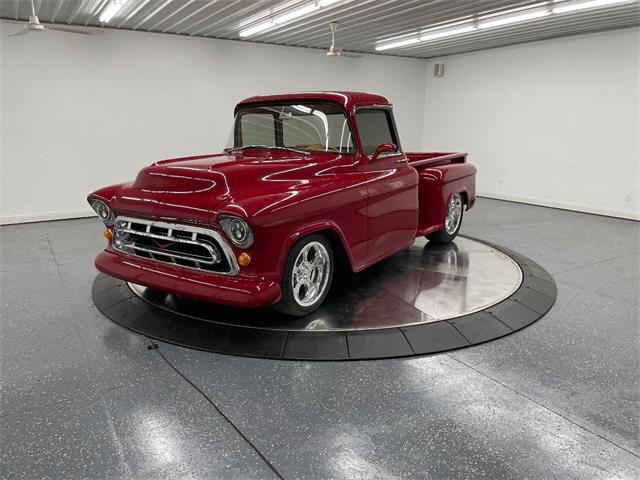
(371, 209)
(347, 100)
(213, 288)
(441, 175)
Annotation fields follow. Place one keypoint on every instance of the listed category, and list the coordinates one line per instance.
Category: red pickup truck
(307, 179)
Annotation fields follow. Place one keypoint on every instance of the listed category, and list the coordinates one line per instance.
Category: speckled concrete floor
(81, 397)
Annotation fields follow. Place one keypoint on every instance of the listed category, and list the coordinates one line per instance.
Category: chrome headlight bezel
(103, 210)
(232, 225)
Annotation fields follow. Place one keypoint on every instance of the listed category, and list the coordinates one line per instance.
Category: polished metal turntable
(426, 299)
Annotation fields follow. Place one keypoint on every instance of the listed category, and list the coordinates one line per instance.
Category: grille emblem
(162, 245)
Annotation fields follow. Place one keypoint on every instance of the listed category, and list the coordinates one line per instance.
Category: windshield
(317, 127)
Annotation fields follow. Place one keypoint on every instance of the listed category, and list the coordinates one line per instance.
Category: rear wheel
(307, 276)
(452, 221)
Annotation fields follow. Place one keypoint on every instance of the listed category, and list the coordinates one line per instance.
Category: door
(392, 186)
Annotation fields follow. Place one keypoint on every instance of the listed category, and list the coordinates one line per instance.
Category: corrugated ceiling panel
(361, 22)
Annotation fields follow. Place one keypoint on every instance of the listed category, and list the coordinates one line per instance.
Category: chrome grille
(176, 244)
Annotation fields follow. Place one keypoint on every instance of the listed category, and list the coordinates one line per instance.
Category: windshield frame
(354, 136)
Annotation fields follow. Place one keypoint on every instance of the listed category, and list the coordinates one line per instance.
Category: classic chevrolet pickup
(307, 179)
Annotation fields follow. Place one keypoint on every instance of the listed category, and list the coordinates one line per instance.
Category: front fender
(106, 194)
(322, 226)
(337, 204)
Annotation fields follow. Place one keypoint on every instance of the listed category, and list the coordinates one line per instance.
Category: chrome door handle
(401, 160)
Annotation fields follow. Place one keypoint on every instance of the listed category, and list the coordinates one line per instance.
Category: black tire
(442, 236)
(289, 302)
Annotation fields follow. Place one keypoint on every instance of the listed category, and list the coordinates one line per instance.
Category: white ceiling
(362, 23)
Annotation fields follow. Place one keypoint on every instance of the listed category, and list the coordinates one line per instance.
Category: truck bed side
(441, 175)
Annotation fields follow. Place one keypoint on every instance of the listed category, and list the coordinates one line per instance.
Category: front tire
(307, 276)
(452, 221)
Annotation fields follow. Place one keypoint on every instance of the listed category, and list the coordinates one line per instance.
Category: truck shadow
(380, 296)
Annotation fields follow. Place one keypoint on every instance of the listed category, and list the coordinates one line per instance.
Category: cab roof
(348, 100)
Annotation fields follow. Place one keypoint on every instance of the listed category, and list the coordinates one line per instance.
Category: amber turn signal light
(244, 259)
(107, 233)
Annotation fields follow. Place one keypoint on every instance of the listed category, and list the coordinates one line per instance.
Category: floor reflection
(424, 283)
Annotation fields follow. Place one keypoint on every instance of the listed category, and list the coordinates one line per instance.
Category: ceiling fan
(34, 25)
(337, 52)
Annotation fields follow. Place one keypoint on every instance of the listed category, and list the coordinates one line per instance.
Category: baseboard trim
(46, 216)
(574, 207)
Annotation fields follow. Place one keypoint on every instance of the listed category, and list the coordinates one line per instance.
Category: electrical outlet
(627, 197)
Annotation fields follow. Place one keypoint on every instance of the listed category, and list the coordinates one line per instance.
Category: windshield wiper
(291, 149)
(264, 147)
(245, 147)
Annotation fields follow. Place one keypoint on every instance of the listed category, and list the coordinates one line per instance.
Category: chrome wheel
(454, 214)
(310, 274)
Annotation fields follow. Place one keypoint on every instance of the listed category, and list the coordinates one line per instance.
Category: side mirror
(382, 150)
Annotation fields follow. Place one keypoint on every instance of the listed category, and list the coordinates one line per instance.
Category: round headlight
(103, 211)
(237, 230)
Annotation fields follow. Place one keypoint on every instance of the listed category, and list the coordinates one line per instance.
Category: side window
(258, 129)
(375, 128)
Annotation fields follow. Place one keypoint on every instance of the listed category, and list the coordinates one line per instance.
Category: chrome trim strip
(209, 248)
(222, 243)
(168, 253)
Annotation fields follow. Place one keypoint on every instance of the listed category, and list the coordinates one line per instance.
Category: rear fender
(435, 189)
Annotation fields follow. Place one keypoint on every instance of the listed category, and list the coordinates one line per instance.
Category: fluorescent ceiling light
(449, 32)
(566, 7)
(297, 13)
(257, 29)
(499, 21)
(401, 43)
(495, 20)
(427, 37)
(111, 9)
(286, 17)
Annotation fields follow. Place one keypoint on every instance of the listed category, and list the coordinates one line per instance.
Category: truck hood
(196, 188)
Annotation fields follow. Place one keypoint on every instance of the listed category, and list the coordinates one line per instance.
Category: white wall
(79, 112)
(552, 123)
